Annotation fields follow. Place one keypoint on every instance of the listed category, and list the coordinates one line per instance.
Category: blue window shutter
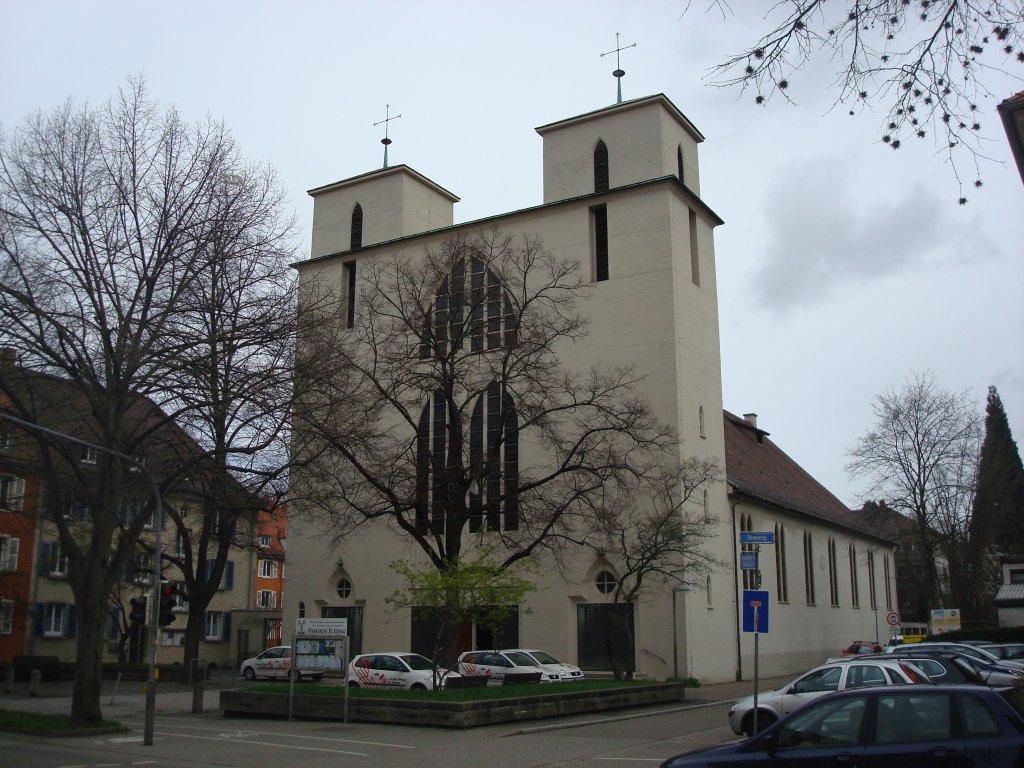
(40, 616)
(226, 626)
(229, 575)
(72, 622)
(45, 548)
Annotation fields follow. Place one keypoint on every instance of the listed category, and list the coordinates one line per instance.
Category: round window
(605, 582)
(344, 587)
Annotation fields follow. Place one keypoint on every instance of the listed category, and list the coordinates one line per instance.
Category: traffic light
(137, 614)
(168, 603)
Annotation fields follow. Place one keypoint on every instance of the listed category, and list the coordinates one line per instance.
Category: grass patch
(34, 722)
(460, 694)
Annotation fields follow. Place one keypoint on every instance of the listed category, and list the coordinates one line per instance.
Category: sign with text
(945, 620)
(748, 561)
(755, 601)
(322, 627)
(757, 537)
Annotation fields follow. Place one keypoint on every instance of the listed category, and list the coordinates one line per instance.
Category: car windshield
(544, 658)
(1015, 698)
(520, 659)
(415, 661)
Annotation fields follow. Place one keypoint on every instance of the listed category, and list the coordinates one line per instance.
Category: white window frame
(213, 620)
(6, 437)
(266, 599)
(12, 492)
(263, 541)
(54, 619)
(60, 561)
(6, 616)
(9, 547)
(268, 569)
(90, 454)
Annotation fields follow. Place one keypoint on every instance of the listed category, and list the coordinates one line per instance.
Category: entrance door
(355, 626)
(604, 636)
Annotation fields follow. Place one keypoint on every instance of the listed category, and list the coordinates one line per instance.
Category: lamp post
(684, 587)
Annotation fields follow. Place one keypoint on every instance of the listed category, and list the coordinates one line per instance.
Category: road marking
(124, 739)
(272, 744)
(278, 735)
(634, 759)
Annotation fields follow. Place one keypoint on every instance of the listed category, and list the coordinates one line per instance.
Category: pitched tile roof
(758, 469)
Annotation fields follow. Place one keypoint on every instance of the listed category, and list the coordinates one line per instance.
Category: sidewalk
(127, 700)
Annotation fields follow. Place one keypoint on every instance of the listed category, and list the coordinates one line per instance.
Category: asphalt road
(188, 741)
(621, 739)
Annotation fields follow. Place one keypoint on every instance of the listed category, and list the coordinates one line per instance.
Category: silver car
(549, 663)
(837, 676)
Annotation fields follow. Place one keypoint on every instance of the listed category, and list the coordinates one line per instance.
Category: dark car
(907, 726)
(941, 667)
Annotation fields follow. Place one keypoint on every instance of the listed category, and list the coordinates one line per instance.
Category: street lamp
(684, 587)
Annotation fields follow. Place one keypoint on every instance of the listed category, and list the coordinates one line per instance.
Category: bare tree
(920, 456)
(653, 530)
(450, 366)
(109, 227)
(923, 63)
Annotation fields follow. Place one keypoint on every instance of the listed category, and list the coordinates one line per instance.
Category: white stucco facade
(657, 309)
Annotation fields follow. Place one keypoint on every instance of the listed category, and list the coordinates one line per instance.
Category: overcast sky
(843, 266)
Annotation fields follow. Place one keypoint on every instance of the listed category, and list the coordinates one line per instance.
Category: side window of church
(600, 167)
(599, 239)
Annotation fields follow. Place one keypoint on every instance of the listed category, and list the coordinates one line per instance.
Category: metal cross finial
(619, 72)
(385, 141)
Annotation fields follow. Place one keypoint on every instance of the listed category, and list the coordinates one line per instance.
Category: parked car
(980, 652)
(943, 667)
(396, 669)
(862, 646)
(986, 672)
(497, 664)
(914, 725)
(838, 676)
(1011, 651)
(276, 662)
(549, 663)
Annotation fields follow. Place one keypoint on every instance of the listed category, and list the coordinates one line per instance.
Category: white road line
(271, 734)
(633, 759)
(271, 744)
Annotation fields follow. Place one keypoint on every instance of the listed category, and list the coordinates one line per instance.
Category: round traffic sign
(892, 618)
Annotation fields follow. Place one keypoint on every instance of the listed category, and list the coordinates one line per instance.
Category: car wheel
(353, 684)
(317, 678)
(418, 687)
(764, 719)
(296, 675)
(249, 673)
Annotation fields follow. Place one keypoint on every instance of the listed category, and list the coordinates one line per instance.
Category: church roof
(755, 467)
(627, 105)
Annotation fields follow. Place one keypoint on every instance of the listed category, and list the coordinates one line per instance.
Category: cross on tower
(387, 119)
(619, 72)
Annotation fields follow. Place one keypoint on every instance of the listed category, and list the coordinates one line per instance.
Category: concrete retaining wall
(449, 714)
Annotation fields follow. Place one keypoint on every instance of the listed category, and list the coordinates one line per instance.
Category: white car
(497, 664)
(549, 663)
(838, 676)
(396, 669)
(276, 662)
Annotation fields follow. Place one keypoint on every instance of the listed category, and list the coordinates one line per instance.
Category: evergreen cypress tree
(997, 518)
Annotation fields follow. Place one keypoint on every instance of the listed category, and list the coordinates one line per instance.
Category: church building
(622, 200)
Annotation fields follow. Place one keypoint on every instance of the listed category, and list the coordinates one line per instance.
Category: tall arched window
(471, 304)
(781, 579)
(854, 589)
(679, 162)
(833, 574)
(700, 421)
(888, 589)
(430, 464)
(707, 589)
(746, 524)
(357, 226)
(809, 567)
(600, 167)
(494, 462)
(872, 589)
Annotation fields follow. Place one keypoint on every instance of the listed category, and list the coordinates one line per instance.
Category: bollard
(198, 675)
(35, 682)
(9, 680)
(117, 682)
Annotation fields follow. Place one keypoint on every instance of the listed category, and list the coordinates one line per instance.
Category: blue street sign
(757, 537)
(748, 561)
(755, 598)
